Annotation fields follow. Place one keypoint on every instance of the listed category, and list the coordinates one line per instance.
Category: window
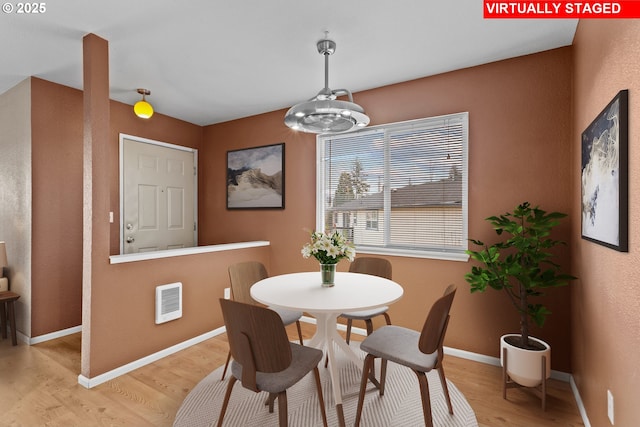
(372, 220)
(403, 185)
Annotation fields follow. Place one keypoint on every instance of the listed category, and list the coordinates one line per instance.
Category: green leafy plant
(521, 263)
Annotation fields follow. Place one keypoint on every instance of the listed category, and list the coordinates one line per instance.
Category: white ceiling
(210, 61)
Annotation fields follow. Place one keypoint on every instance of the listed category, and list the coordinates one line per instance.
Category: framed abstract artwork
(255, 178)
(605, 176)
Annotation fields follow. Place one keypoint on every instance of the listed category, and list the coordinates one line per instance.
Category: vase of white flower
(328, 249)
(328, 274)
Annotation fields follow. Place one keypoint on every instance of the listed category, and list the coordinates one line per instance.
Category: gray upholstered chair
(419, 351)
(376, 267)
(263, 357)
(242, 276)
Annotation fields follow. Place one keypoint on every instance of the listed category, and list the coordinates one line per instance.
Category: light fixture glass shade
(143, 109)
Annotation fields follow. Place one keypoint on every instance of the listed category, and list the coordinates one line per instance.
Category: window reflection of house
(372, 220)
(427, 215)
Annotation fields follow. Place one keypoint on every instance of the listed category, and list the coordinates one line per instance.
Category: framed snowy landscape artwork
(605, 176)
(255, 178)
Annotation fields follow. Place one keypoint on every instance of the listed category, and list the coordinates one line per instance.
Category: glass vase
(328, 274)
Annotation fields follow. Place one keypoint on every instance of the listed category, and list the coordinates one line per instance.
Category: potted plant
(521, 265)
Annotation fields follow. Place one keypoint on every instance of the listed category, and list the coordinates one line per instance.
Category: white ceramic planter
(525, 366)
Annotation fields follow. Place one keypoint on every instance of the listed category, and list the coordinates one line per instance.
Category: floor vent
(168, 302)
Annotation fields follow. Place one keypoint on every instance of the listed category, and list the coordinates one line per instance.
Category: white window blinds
(399, 188)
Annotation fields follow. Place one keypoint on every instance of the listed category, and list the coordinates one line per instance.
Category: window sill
(445, 256)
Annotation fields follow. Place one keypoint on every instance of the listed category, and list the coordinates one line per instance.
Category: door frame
(122, 137)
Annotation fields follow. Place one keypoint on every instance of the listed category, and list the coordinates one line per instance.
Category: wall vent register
(168, 302)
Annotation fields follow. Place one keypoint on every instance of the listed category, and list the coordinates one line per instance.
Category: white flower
(306, 251)
(350, 253)
(328, 249)
(333, 251)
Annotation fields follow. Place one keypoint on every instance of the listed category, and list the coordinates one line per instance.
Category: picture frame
(605, 175)
(255, 177)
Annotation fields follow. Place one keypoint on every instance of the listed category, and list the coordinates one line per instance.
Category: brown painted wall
(606, 301)
(57, 135)
(123, 325)
(123, 296)
(520, 149)
(56, 247)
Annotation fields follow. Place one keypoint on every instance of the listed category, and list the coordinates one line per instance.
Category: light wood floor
(39, 387)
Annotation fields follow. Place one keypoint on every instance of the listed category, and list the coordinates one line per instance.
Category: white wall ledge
(169, 253)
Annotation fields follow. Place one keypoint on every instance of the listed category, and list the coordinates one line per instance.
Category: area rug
(400, 405)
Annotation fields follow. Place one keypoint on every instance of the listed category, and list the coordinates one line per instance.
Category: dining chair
(376, 267)
(243, 275)
(263, 357)
(419, 351)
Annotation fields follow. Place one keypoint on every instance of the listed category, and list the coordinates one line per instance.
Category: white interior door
(158, 182)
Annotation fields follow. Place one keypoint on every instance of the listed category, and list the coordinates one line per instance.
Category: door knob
(130, 239)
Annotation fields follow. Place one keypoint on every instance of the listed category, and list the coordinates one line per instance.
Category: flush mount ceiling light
(142, 108)
(324, 113)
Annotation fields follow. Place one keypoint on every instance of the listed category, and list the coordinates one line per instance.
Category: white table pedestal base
(324, 339)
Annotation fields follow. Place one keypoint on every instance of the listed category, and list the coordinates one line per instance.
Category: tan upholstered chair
(376, 267)
(419, 351)
(242, 276)
(263, 357)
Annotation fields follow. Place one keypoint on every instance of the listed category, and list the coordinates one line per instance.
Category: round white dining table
(351, 292)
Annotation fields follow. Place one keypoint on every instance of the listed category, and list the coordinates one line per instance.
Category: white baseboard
(495, 361)
(52, 335)
(46, 337)
(581, 408)
(99, 379)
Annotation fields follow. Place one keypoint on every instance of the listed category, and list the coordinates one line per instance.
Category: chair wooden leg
(269, 402)
(340, 413)
(225, 403)
(226, 365)
(282, 409)
(443, 382)
(349, 324)
(368, 363)
(387, 318)
(426, 399)
(383, 375)
(299, 332)
(323, 412)
(369, 324)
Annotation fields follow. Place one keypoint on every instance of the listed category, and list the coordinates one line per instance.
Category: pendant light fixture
(142, 108)
(324, 113)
